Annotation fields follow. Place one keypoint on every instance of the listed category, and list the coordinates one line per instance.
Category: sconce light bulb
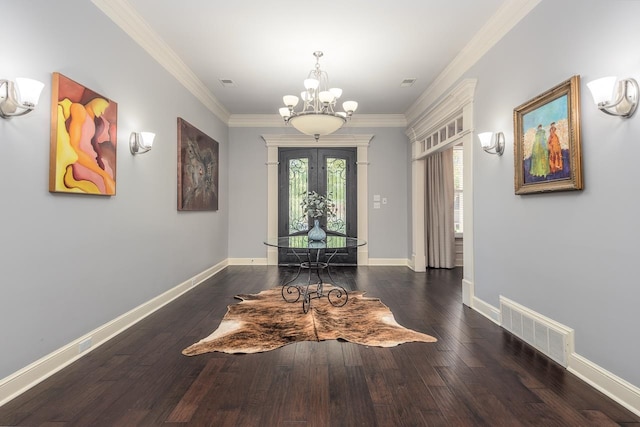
(602, 89)
(29, 91)
(485, 139)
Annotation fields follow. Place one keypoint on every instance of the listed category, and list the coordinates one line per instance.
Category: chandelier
(318, 116)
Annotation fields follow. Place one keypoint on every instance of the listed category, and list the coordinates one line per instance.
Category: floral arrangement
(317, 205)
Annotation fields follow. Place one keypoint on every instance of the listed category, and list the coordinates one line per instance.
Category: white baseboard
(467, 292)
(397, 262)
(616, 388)
(248, 261)
(486, 309)
(27, 377)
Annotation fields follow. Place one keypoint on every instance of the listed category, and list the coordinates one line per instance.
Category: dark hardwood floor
(475, 375)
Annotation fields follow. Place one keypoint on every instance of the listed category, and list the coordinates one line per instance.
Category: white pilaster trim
(418, 188)
(362, 165)
(27, 377)
(468, 292)
(468, 241)
(272, 200)
(360, 141)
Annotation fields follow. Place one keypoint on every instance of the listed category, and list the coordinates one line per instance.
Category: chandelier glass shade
(317, 116)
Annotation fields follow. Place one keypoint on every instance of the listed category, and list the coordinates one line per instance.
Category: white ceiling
(266, 47)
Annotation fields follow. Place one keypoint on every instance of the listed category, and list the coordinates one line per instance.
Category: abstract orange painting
(83, 140)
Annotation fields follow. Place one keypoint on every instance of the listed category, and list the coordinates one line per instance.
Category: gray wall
(248, 192)
(388, 226)
(568, 256)
(70, 263)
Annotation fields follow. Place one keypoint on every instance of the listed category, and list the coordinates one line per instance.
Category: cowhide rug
(264, 321)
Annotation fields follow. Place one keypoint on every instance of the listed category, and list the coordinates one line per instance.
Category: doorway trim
(456, 103)
(359, 141)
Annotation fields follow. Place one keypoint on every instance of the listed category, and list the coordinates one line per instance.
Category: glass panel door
(298, 187)
(337, 191)
(328, 171)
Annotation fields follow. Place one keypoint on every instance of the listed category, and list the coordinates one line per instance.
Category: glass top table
(314, 256)
(303, 242)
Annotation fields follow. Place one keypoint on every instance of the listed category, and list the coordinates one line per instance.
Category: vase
(316, 233)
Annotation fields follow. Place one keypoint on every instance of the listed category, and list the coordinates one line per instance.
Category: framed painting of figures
(83, 139)
(547, 144)
(197, 169)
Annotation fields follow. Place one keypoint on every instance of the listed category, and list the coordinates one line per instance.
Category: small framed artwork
(197, 169)
(547, 144)
(83, 146)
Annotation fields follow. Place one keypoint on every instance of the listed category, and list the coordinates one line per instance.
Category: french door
(328, 171)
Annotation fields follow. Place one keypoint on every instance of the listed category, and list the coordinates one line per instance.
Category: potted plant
(317, 206)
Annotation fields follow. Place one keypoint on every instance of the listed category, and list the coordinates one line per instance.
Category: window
(458, 204)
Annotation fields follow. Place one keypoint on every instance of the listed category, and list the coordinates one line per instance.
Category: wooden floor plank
(476, 374)
(189, 403)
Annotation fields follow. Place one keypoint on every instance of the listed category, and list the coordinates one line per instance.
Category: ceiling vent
(407, 82)
(228, 83)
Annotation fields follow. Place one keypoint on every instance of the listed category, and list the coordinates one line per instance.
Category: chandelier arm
(318, 116)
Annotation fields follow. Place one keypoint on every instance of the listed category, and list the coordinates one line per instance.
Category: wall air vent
(548, 336)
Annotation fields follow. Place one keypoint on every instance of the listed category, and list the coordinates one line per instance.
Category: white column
(272, 202)
(418, 257)
(363, 205)
(468, 272)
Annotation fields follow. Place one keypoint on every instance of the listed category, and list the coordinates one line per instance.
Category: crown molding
(256, 121)
(127, 18)
(442, 111)
(333, 140)
(505, 18)
(377, 121)
(356, 121)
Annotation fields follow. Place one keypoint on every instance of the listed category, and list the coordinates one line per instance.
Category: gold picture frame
(547, 145)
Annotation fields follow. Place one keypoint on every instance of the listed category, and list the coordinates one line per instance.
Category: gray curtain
(439, 228)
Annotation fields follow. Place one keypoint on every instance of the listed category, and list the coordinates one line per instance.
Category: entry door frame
(360, 141)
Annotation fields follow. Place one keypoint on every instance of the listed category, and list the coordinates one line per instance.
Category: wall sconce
(141, 142)
(626, 95)
(19, 97)
(497, 147)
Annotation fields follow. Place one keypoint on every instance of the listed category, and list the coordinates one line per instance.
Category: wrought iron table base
(291, 293)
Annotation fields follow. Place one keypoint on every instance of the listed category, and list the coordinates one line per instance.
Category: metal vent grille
(548, 336)
(407, 82)
(228, 83)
